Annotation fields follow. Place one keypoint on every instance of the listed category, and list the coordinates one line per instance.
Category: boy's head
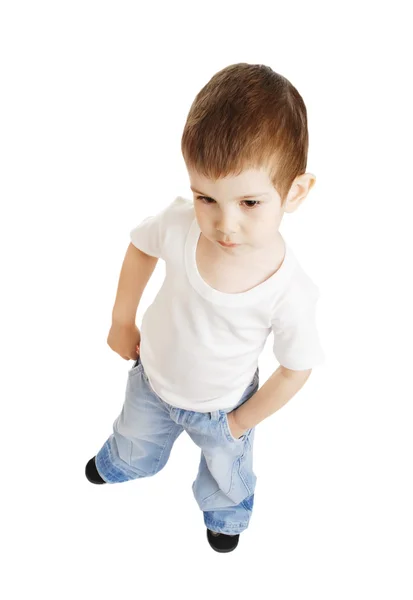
(246, 133)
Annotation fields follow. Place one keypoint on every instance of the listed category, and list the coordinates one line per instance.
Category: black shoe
(221, 542)
(92, 473)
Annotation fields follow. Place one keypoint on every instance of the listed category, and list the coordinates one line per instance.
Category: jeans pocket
(227, 432)
(136, 368)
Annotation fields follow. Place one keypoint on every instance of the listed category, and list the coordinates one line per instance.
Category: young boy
(231, 280)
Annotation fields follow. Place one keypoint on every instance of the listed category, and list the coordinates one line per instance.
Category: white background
(94, 97)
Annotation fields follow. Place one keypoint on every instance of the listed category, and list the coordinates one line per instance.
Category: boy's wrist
(119, 317)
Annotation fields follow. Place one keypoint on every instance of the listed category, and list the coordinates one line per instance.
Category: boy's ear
(298, 191)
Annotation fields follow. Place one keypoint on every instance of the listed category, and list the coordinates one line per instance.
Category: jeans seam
(162, 453)
(242, 477)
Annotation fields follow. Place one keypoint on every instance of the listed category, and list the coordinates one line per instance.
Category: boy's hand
(236, 431)
(124, 339)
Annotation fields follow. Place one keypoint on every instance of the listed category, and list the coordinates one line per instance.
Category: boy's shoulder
(155, 232)
(180, 205)
(301, 280)
(300, 292)
(178, 215)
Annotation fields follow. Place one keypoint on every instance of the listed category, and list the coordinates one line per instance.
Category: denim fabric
(143, 436)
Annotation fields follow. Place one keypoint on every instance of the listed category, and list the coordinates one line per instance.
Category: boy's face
(224, 216)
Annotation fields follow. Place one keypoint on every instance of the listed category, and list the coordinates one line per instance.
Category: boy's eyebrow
(240, 197)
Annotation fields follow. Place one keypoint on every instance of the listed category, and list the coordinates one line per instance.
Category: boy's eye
(248, 202)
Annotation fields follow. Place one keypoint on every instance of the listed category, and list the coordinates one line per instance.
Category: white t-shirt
(199, 346)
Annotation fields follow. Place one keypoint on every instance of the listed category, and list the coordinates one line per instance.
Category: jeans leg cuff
(106, 468)
(227, 529)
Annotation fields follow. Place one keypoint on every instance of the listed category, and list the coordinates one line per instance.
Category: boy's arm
(136, 271)
(279, 388)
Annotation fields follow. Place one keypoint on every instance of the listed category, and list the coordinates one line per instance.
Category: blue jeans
(143, 436)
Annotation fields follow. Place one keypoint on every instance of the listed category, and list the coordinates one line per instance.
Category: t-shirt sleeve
(149, 234)
(296, 339)
(155, 234)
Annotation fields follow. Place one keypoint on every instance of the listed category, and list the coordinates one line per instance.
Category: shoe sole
(90, 471)
(217, 549)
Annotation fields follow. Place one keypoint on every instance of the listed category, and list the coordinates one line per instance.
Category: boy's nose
(226, 235)
(227, 229)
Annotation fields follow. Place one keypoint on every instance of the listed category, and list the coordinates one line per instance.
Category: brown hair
(247, 116)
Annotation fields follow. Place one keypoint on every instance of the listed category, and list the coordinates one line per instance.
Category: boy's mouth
(228, 244)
